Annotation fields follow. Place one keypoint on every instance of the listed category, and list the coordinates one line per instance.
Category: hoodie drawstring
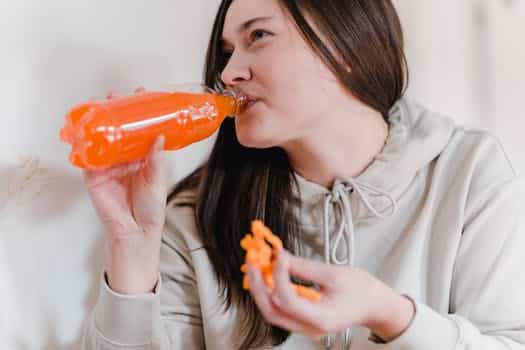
(339, 198)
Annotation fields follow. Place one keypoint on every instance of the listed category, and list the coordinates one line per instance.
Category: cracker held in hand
(262, 248)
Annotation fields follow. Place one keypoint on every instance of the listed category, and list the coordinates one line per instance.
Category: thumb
(154, 171)
(311, 270)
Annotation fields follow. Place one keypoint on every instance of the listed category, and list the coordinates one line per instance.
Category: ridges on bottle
(122, 129)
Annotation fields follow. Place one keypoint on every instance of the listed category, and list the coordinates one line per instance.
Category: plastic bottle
(122, 129)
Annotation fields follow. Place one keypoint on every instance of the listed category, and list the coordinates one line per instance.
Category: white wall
(506, 36)
(53, 55)
(466, 60)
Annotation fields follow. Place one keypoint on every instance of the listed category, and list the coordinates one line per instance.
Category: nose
(237, 70)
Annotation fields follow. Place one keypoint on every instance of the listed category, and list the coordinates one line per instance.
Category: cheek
(291, 84)
(299, 103)
(295, 82)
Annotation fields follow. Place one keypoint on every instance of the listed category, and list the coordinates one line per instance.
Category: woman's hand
(350, 297)
(130, 200)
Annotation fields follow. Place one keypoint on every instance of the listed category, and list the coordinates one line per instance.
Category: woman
(408, 224)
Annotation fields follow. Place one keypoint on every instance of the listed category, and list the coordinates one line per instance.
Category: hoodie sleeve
(487, 305)
(169, 318)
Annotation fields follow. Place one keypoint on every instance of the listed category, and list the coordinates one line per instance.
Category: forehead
(241, 11)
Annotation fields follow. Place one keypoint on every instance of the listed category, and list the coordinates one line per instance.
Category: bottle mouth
(241, 100)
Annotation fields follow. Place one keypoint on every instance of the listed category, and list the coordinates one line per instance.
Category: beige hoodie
(439, 216)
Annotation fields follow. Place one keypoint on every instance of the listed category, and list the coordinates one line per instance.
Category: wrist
(132, 276)
(393, 315)
(132, 271)
(130, 283)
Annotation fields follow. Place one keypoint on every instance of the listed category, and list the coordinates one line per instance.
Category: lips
(249, 105)
(248, 100)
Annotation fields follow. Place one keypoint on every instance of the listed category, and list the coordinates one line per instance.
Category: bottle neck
(239, 100)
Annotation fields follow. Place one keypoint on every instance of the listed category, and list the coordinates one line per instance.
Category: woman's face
(272, 63)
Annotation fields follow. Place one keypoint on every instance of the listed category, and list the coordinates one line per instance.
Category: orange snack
(122, 129)
(262, 248)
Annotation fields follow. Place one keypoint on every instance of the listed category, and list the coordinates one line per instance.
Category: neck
(343, 147)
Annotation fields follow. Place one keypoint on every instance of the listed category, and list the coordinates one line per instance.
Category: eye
(258, 34)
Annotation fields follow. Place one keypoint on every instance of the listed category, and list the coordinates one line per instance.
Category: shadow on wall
(32, 190)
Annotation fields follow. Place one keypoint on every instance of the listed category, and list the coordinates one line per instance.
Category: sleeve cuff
(127, 319)
(428, 328)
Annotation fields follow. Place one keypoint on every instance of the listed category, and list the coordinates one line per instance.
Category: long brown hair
(237, 184)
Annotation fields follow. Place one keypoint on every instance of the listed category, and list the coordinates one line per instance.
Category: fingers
(154, 172)
(284, 292)
(311, 270)
(155, 157)
(153, 165)
(262, 297)
(286, 299)
(96, 177)
(158, 146)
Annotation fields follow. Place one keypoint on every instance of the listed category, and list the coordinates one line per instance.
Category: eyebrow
(246, 25)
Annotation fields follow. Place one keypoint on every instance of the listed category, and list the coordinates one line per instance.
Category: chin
(254, 139)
